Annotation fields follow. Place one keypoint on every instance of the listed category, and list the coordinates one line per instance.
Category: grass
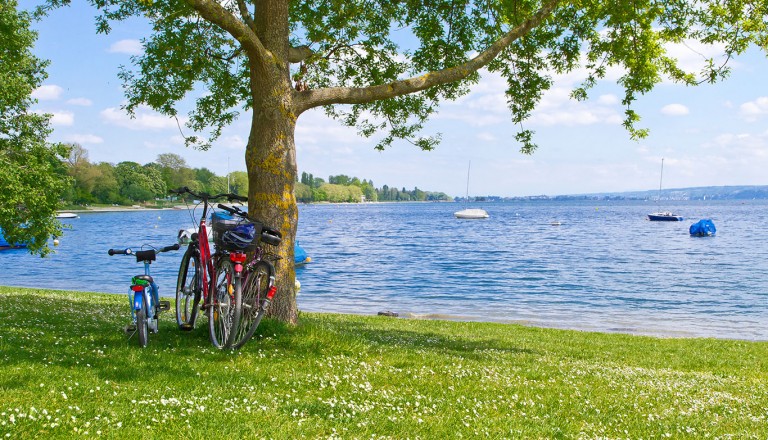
(66, 370)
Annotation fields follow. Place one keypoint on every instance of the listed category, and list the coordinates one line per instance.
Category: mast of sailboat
(466, 200)
(661, 177)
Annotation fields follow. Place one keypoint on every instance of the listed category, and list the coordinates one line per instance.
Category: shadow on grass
(321, 334)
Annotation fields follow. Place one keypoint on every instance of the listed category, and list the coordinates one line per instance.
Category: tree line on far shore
(130, 182)
(342, 188)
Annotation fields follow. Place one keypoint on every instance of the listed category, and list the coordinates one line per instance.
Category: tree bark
(271, 151)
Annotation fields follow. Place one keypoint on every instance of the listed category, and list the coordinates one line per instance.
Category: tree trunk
(270, 156)
(271, 163)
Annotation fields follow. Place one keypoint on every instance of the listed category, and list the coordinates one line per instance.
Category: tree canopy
(32, 175)
(384, 67)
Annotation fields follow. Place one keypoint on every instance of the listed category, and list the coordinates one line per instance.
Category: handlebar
(173, 247)
(206, 197)
(129, 251)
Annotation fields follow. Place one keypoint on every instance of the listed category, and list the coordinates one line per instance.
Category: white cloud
(61, 118)
(752, 110)
(314, 129)
(47, 93)
(129, 47)
(675, 110)
(144, 119)
(85, 102)
(84, 139)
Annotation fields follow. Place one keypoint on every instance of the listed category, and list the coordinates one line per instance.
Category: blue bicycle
(144, 297)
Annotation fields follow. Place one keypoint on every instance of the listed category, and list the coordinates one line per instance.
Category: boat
(67, 215)
(5, 245)
(703, 228)
(663, 216)
(470, 213)
(184, 236)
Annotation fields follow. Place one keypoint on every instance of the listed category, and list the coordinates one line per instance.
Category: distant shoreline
(119, 209)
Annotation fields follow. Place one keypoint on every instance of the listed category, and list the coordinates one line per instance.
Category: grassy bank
(67, 370)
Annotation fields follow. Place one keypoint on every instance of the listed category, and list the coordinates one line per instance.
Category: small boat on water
(184, 236)
(663, 216)
(67, 215)
(5, 245)
(470, 213)
(703, 228)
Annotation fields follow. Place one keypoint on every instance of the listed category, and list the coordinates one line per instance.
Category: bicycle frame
(138, 293)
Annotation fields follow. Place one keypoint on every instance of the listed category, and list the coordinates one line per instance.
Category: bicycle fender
(138, 300)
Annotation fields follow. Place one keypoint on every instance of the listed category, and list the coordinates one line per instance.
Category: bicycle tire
(254, 293)
(142, 326)
(188, 289)
(224, 308)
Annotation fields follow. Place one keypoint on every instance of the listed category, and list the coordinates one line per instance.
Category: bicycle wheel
(257, 284)
(142, 324)
(224, 309)
(188, 289)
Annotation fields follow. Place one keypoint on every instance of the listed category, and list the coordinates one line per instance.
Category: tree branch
(360, 95)
(245, 14)
(216, 14)
(298, 54)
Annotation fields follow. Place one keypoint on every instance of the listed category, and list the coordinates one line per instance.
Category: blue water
(604, 268)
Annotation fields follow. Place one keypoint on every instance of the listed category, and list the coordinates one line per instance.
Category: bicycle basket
(233, 233)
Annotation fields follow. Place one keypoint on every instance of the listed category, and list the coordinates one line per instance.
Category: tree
(106, 188)
(281, 59)
(238, 182)
(32, 173)
(174, 169)
(139, 183)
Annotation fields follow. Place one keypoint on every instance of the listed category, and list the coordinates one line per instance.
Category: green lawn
(67, 370)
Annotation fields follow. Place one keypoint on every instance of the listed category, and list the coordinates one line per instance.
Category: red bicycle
(209, 277)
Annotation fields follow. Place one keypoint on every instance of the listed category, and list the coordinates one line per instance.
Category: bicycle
(214, 278)
(144, 294)
(257, 277)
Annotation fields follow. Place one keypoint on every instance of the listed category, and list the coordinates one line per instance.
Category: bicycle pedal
(186, 327)
(129, 329)
(164, 306)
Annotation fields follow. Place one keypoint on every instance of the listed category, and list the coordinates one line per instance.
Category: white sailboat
(663, 216)
(470, 213)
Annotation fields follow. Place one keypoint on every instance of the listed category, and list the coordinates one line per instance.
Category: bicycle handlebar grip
(173, 247)
(228, 209)
(236, 197)
(181, 190)
(120, 251)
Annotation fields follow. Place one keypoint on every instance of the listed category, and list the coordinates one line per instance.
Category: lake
(604, 268)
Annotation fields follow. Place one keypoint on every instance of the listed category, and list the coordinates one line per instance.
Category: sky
(710, 135)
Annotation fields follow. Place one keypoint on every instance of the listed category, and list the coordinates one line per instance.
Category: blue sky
(707, 135)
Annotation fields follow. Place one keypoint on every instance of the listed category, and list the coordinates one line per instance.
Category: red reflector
(271, 292)
(237, 257)
(137, 288)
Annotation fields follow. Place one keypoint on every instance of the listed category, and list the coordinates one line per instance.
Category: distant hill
(742, 192)
(696, 193)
